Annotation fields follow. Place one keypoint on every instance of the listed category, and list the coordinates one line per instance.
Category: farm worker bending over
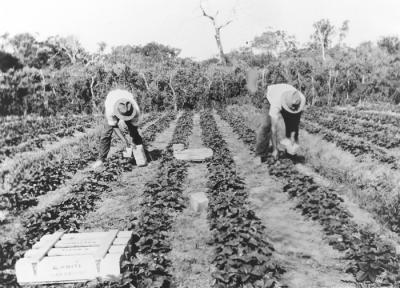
(286, 102)
(119, 105)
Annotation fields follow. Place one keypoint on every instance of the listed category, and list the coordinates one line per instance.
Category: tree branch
(226, 24)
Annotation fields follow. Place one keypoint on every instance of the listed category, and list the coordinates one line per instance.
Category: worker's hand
(126, 145)
(275, 154)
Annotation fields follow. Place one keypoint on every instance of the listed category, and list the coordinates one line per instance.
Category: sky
(180, 24)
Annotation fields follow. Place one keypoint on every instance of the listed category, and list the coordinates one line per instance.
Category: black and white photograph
(200, 144)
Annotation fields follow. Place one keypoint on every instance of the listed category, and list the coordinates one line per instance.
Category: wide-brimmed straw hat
(124, 109)
(293, 101)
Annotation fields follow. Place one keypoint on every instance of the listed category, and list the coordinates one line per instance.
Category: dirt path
(119, 208)
(299, 244)
(190, 255)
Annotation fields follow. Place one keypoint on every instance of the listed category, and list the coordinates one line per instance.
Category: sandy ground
(299, 243)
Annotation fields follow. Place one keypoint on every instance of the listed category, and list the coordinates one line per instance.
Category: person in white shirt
(119, 105)
(286, 102)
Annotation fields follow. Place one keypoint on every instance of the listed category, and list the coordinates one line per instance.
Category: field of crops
(327, 218)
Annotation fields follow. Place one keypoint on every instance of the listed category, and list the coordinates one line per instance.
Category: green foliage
(59, 76)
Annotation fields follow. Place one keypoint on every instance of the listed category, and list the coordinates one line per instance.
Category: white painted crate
(75, 257)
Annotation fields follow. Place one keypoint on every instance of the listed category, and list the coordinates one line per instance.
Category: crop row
(370, 259)
(37, 142)
(386, 138)
(48, 175)
(351, 119)
(31, 141)
(162, 199)
(68, 214)
(354, 146)
(23, 131)
(384, 107)
(243, 256)
(381, 119)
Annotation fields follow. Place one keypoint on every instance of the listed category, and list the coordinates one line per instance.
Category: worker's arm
(113, 122)
(121, 136)
(274, 138)
(293, 138)
(274, 112)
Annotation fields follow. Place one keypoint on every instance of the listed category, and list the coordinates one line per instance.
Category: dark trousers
(264, 135)
(105, 141)
(292, 122)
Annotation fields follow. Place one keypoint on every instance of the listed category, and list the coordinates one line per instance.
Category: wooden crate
(74, 257)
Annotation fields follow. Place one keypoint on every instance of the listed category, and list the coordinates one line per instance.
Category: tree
(8, 61)
(223, 58)
(68, 47)
(274, 42)
(390, 44)
(343, 31)
(323, 33)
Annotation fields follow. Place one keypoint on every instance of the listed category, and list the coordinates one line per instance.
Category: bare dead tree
(223, 58)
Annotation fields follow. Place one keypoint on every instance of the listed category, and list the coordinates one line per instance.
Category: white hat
(124, 109)
(293, 101)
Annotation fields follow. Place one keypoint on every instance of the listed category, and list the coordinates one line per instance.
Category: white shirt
(111, 99)
(275, 98)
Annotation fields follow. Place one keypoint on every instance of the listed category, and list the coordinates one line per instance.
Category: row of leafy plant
(69, 214)
(162, 199)
(18, 132)
(381, 136)
(378, 118)
(38, 142)
(386, 212)
(49, 174)
(357, 147)
(243, 255)
(369, 122)
(379, 106)
(370, 259)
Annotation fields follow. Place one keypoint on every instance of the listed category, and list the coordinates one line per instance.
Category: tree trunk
(321, 39)
(263, 79)
(44, 94)
(222, 55)
(313, 91)
(94, 106)
(329, 87)
(173, 92)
